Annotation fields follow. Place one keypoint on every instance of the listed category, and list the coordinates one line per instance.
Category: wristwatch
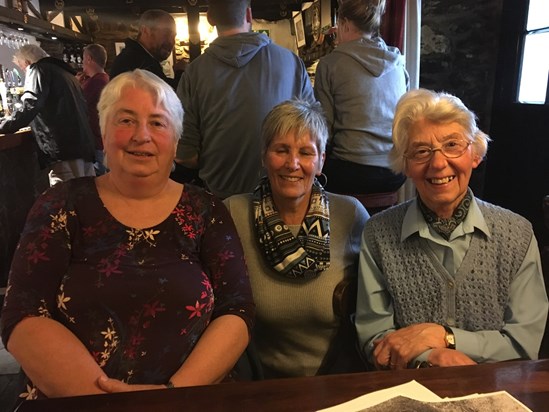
(449, 338)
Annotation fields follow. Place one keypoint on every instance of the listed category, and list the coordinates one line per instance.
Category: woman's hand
(115, 385)
(449, 357)
(396, 349)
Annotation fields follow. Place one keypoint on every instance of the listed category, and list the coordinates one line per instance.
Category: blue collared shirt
(526, 311)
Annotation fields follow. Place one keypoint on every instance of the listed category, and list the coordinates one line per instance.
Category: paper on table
(412, 389)
(494, 401)
(414, 396)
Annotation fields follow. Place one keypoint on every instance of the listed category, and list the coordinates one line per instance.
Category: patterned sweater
(475, 297)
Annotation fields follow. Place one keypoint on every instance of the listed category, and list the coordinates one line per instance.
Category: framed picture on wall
(118, 47)
(299, 30)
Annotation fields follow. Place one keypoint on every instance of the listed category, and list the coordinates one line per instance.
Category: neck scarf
(301, 257)
(445, 227)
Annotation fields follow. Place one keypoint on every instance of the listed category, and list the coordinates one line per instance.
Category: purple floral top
(139, 299)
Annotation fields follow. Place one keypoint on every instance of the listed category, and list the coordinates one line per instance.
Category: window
(534, 73)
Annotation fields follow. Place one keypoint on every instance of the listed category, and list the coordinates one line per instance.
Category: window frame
(522, 45)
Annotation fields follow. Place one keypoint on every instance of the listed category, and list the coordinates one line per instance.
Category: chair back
(544, 350)
(376, 202)
(344, 354)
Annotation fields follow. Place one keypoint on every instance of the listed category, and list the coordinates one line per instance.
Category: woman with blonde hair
(359, 84)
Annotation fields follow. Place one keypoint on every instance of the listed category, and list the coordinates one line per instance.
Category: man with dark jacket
(55, 109)
(154, 44)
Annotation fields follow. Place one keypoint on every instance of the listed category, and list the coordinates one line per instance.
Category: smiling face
(139, 138)
(292, 164)
(441, 182)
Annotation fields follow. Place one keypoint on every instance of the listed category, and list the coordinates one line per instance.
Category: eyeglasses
(451, 149)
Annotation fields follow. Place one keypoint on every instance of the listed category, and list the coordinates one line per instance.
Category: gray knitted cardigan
(422, 290)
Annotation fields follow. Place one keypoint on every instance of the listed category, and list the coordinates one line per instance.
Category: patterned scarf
(445, 227)
(301, 257)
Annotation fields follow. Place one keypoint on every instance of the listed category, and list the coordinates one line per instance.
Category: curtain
(412, 41)
(411, 50)
(393, 23)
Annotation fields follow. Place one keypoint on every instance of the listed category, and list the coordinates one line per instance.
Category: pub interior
(471, 49)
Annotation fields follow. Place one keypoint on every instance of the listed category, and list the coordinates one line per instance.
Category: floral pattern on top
(138, 299)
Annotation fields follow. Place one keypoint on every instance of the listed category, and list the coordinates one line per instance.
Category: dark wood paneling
(518, 161)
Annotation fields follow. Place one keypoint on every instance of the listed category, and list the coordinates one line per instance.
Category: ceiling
(262, 9)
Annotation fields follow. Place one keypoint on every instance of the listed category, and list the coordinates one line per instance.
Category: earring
(325, 179)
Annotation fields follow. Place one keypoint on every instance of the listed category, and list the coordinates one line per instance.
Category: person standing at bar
(93, 65)
(55, 109)
(227, 92)
(358, 85)
(154, 43)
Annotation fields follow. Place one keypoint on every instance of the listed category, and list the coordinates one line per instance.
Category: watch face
(450, 339)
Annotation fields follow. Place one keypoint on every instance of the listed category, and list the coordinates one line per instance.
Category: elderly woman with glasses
(446, 279)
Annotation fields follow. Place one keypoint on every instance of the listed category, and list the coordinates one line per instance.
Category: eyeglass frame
(433, 150)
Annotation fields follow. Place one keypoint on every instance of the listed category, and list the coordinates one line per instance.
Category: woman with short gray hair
(300, 244)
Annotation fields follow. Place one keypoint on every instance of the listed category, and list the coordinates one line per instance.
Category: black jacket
(55, 109)
(134, 56)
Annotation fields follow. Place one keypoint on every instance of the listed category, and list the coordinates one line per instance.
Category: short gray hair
(436, 107)
(31, 53)
(297, 116)
(97, 53)
(144, 80)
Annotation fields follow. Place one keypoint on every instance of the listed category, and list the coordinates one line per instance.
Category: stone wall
(459, 49)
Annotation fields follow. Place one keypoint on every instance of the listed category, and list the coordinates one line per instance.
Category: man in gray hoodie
(226, 93)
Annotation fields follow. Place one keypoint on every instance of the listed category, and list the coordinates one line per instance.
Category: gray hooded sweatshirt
(359, 84)
(226, 93)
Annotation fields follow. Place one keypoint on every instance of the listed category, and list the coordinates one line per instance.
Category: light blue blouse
(526, 312)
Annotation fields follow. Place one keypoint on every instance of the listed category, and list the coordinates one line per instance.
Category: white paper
(412, 396)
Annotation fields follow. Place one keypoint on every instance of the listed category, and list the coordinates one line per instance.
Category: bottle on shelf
(3, 93)
(66, 54)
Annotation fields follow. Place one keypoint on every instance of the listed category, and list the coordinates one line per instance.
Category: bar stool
(376, 202)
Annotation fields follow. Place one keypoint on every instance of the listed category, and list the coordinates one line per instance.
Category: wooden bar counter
(527, 381)
(8, 141)
(21, 180)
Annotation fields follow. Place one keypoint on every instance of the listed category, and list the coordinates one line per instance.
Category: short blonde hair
(364, 14)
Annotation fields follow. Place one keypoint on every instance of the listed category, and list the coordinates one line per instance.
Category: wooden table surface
(528, 381)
